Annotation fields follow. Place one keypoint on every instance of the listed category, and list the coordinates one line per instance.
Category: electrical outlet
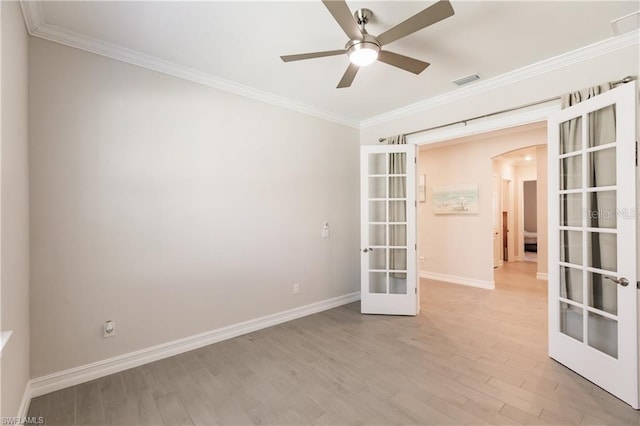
(109, 329)
(296, 288)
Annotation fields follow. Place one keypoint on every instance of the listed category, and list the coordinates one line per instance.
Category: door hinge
(416, 246)
(415, 203)
(636, 153)
(638, 285)
(416, 290)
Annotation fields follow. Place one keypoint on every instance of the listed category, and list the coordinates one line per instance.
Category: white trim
(542, 276)
(471, 282)
(557, 62)
(33, 14)
(4, 338)
(23, 410)
(39, 28)
(500, 122)
(73, 376)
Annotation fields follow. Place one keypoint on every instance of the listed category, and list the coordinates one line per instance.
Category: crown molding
(33, 15)
(561, 61)
(37, 27)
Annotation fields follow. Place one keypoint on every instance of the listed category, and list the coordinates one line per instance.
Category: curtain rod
(625, 80)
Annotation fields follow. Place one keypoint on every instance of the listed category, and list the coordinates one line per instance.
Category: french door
(593, 307)
(388, 230)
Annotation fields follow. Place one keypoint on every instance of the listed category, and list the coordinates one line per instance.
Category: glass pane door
(592, 241)
(587, 232)
(388, 245)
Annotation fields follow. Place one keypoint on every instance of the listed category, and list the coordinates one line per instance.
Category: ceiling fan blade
(300, 57)
(403, 62)
(348, 76)
(434, 13)
(344, 18)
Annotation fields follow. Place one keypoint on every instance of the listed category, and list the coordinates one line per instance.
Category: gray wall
(530, 203)
(14, 231)
(175, 209)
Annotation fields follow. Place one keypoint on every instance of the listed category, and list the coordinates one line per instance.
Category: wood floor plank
(62, 407)
(139, 396)
(520, 416)
(172, 410)
(38, 408)
(89, 409)
(500, 395)
(118, 409)
(425, 412)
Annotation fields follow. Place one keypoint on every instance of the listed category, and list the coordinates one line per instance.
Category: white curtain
(397, 208)
(601, 210)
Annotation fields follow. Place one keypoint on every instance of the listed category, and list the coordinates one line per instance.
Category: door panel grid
(586, 163)
(388, 232)
(593, 319)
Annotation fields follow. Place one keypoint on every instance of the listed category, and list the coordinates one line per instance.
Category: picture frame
(461, 199)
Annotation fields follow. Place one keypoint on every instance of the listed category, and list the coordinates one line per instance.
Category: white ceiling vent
(626, 24)
(467, 79)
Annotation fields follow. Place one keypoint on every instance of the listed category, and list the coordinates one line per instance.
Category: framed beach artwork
(455, 199)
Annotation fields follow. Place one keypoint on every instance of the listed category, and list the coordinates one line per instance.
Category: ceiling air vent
(467, 79)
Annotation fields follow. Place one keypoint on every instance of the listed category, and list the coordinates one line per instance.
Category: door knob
(366, 250)
(622, 281)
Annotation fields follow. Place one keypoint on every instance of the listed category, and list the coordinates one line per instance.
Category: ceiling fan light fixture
(363, 53)
(363, 49)
(364, 56)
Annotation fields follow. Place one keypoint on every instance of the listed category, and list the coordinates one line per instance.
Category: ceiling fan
(364, 49)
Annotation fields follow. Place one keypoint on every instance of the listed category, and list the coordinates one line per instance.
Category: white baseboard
(542, 276)
(84, 373)
(488, 285)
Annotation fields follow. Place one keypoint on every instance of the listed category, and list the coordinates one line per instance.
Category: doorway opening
(520, 208)
(530, 220)
(463, 253)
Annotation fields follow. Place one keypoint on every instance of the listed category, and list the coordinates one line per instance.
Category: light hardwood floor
(472, 357)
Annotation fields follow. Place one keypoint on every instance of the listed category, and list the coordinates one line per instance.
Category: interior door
(497, 247)
(592, 241)
(388, 230)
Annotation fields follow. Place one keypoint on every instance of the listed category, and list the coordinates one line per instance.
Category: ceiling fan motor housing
(368, 42)
(363, 16)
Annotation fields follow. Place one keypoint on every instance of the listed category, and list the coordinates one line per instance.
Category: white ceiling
(241, 41)
(520, 157)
